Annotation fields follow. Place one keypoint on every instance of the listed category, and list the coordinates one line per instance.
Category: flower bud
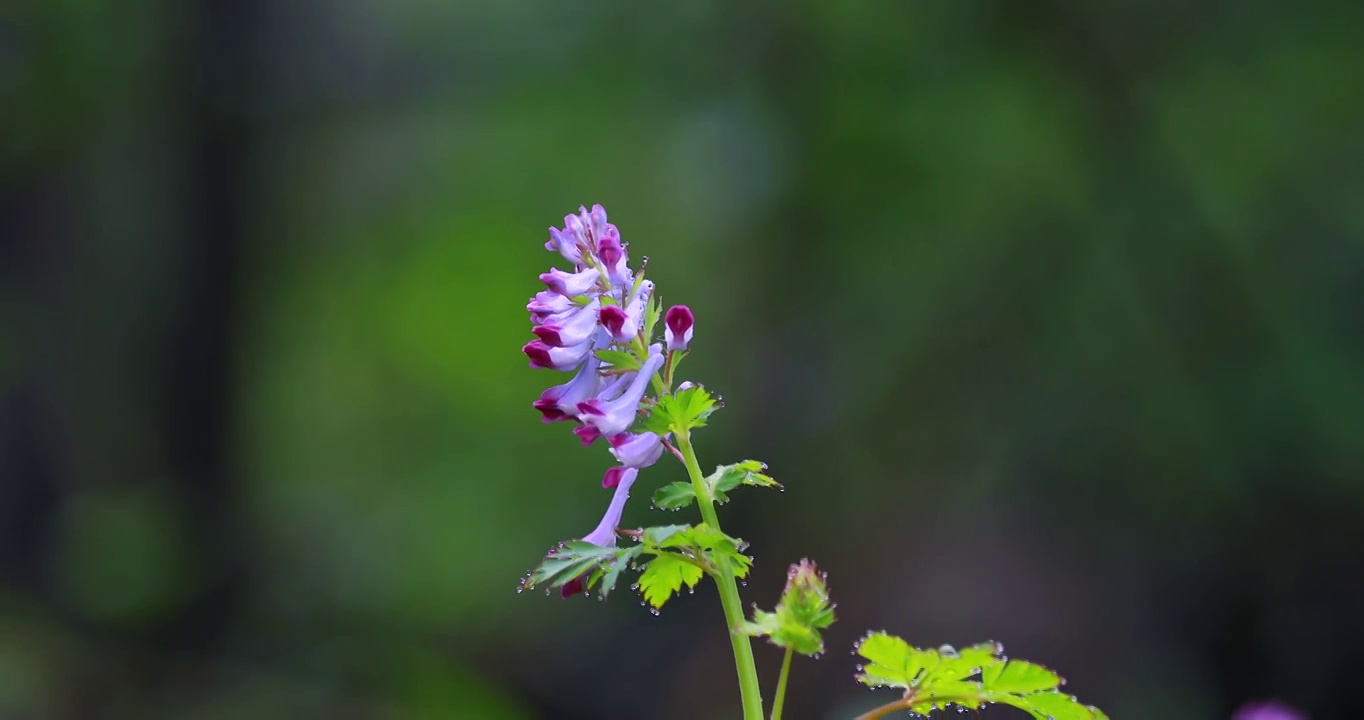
(678, 324)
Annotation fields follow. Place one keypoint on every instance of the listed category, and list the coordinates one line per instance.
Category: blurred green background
(1047, 314)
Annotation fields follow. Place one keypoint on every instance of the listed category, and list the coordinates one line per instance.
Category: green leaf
(655, 311)
(728, 477)
(692, 406)
(664, 576)
(576, 558)
(611, 573)
(1049, 705)
(1017, 676)
(674, 496)
(680, 412)
(619, 359)
(704, 544)
(894, 663)
(936, 679)
(656, 536)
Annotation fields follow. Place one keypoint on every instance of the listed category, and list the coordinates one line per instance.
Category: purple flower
(678, 325)
(561, 401)
(613, 256)
(636, 450)
(564, 243)
(547, 303)
(571, 327)
(562, 359)
(604, 535)
(624, 323)
(1268, 711)
(613, 417)
(566, 283)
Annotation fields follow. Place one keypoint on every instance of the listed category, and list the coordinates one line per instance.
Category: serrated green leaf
(953, 666)
(965, 694)
(659, 534)
(715, 546)
(658, 422)
(894, 663)
(619, 359)
(1017, 676)
(674, 496)
(611, 572)
(728, 477)
(763, 624)
(1049, 705)
(935, 679)
(567, 562)
(664, 576)
(692, 407)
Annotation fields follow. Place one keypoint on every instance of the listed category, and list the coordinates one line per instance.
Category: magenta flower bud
(604, 535)
(613, 256)
(563, 242)
(562, 359)
(616, 416)
(566, 283)
(678, 325)
(561, 401)
(636, 450)
(570, 328)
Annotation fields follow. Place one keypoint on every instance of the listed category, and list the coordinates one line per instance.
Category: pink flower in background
(1268, 711)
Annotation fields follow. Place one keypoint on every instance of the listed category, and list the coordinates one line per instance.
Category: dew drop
(655, 611)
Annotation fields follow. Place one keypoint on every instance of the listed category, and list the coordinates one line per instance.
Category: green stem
(749, 690)
(780, 699)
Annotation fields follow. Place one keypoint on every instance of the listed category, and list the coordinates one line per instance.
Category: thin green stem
(780, 699)
(749, 690)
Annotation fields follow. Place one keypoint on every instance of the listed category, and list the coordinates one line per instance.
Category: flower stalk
(750, 691)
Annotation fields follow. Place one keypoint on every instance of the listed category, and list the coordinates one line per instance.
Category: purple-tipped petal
(562, 359)
(561, 401)
(571, 328)
(625, 323)
(566, 283)
(678, 325)
(636, 450)
(587, 434)
(548, 302)
(613, 476)
(616, 416)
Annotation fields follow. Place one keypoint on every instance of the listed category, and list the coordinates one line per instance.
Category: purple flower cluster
(600, 304)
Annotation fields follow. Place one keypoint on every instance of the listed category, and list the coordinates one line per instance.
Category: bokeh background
(1047, 314)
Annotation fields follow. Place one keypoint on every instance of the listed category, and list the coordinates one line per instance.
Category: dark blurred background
(1046, 313)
